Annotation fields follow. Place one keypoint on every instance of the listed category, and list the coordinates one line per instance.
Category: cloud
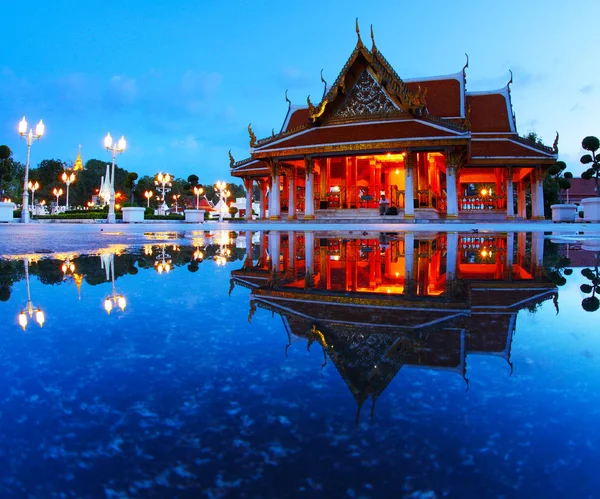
(587, 89)
(576, 107)
(292, 77)
(122, 90)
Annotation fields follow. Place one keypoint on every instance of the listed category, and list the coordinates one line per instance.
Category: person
(384, 204)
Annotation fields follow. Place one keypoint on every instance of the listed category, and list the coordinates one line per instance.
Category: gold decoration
(252, 136)
(374, 47)
(78, 163)
(252, 310)
(315, 111)
(273, 165)
(231, 160)
(468, 118)
(359, 42)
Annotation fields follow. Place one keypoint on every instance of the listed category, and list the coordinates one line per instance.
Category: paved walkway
(19, 239)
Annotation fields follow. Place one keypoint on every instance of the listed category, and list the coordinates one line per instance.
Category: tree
(591, 144)
(591, 303)
(561, 178)
(193, 180)
(130, 183)
(6, 167)
(533, 137)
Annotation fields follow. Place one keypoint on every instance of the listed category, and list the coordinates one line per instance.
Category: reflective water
(303, 365)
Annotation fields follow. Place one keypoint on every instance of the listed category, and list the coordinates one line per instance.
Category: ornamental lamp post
(176, 198)
(40, 318)
(164, 181)
(33, 186)
(198, 191)
(116, 148)
(57, 193)
(68, 178)
(29, 138)
(223, 195)
(108, 263)
(148, 195)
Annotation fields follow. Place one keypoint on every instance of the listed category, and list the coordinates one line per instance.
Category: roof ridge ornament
(231, 160)
(511, 79)
(374, 47)
(252, 136)
(555, 145)
(324, 85)
(359, 42)
(287, 99)
(464, 70)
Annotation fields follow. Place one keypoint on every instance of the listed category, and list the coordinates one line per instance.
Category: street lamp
(163, 261)
(164, 181)
(57, 193)
(68, 178)
(33, 186)
(198, 191)
(148, 195)
(39, 315)
(116, 148)
(108, 263)
(29, 137)
(221, 187)
(176, 198)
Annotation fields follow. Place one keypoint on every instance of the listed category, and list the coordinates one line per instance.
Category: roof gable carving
(366, 97)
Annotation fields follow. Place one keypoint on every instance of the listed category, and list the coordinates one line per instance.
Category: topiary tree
(193, 180)
(591, 144)
(591, 303)
(561, 178)
(232, 211)
(130, 183)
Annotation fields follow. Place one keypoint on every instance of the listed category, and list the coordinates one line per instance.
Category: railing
(356, 196)
(481, 203)
(427, 198)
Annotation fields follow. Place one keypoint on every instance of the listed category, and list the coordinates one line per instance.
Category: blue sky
(182, 80)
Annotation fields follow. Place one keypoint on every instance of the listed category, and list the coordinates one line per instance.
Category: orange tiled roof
(506, 148)
(295, 118)
(490, 111)
(443, 95)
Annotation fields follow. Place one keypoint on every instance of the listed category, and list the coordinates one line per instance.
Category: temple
(376, 303)
(432, 149)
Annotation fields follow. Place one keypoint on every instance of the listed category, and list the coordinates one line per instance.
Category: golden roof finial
(359, 42)
(555, 145)
(252, 136)
(374, 47)
(78, 280)
(231, 160)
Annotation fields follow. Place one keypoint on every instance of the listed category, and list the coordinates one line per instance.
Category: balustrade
(479, 203)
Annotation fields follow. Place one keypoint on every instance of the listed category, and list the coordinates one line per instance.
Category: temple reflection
(377, 302)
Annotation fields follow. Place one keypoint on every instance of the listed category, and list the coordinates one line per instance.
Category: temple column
(274, 206)
(409, 261)
(521, 203)
(248, 184)
(534, 204)
(291, 193)
(451, 255)
(309, 203)
(510, 251)
(262, 201)
(540, 196)
(409, 199)
(452, 199)
(291, 249)
(537, 249)
(309, 248)
(274, 249)
(248, 262)
(510, 202)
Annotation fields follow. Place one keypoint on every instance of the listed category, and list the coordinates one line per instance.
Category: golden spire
(78, 163)
(359, 43)
(374, 47)
(78, 280)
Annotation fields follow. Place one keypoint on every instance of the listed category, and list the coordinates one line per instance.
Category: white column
(409, 200)
(274, 249)
(451, 255)
(309, 203)
(540, 198)
(538, 248)
(521, 203)
(274, 205)
(510, 201)
(534, 204)
(292, 195)
(291, 249)
(309, 248)
(510, 250)
(248, 183)
(451, 200)
(409, 253)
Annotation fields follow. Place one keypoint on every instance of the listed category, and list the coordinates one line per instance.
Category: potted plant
(591, 206)
(132, 214)
(562, 212)
(195, 215)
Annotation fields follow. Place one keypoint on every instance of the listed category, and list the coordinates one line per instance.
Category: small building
(431, 148)
(581, 189)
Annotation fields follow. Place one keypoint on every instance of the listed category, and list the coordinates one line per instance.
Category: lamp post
(198, 191)
(163, 261)
(148, 195)
(29, 137)
(164, 181)
(33, 186)
(39, 315)
(68, 178)
(108, 263)
(223, 195)
(57, 193)
(116, 148)
(176, 198)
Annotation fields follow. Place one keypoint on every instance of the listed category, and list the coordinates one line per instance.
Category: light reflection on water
(294, 364)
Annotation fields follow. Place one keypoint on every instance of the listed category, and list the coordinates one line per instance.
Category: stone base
(563, 212)
(6, 212)
(591, 209)
(133, 215)
(194, 216)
